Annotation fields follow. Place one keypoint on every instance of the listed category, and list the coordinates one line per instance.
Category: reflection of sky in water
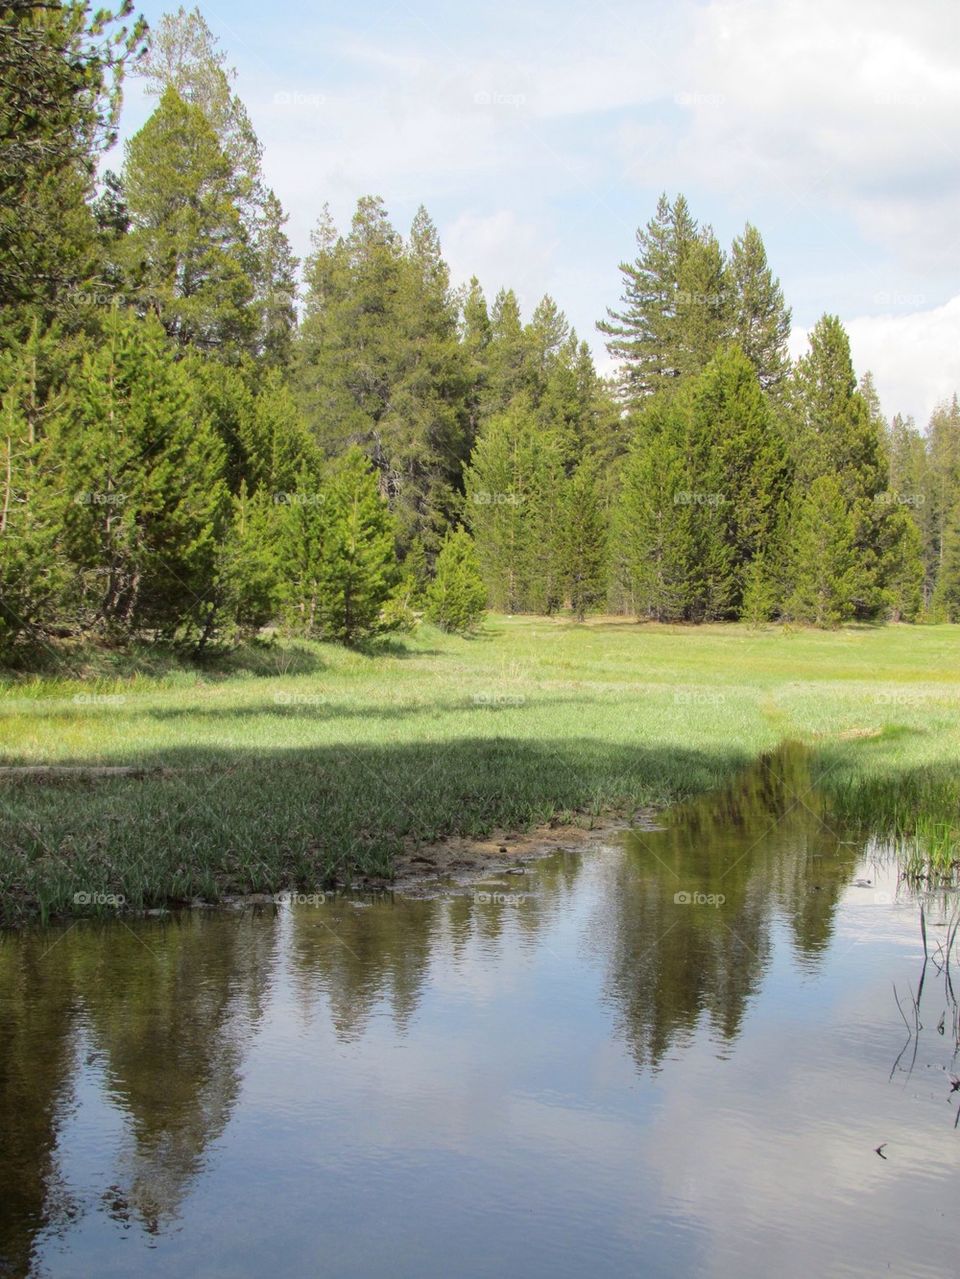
(451, 1087)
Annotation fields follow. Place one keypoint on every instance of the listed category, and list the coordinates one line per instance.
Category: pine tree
(61, 68)
(942, 489)
(33, 571)
(652, 533)
(248, 571)
(188, 256)
(583, 540)
(761, 319)
(456, 598)
(183, 55)
(760, 598)
(302, 522)
(146, 474)
(358, 565)
(643, 333)
(380, 364)
(513, 485)
(738, 462)
(910, 487)
(277, 447)
(945, 604)
(507, 354)
(275, 276)
(475, 336)
(225, 399)
(900, 559)
(823, 556)
(702, 321)
(834, 434)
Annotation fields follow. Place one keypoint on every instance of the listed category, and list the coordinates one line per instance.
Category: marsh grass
(301, 765)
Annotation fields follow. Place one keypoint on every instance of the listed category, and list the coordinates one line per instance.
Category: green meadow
(295, 765)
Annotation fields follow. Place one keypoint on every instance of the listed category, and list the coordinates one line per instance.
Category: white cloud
(855, 106)
(537, 146)
(914, 358)
(502, 250)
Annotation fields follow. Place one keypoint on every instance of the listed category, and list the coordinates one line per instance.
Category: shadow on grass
(295, 706)
(89, 662)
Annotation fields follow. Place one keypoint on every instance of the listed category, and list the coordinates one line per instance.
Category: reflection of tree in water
(359, 957)
(173, 1010)
(170, 1010)
(36, 1067)
(765, 845)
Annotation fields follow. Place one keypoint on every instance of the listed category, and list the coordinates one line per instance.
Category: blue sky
(539, 135)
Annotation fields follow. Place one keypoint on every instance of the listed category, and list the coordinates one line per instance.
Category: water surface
(675, 1055)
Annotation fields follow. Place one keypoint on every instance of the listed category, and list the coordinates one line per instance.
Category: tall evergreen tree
(456, 598)
(380, 364)
(652, 535)
(583, 540)
(834, 434)
(943, 480)
(475, 336)
(507, 354)
(33, 570)
(513, 483)
(275, 279)
(738, 460)
(183, 55)
(61, 67)
(358, 568)
(702, 320)
(823, 556)
(761, 319)
(187, 255)
(945, 604)
(278, 449)
(643, 333)
(149, 503)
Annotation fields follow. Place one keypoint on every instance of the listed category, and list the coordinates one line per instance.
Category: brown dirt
(459, 857)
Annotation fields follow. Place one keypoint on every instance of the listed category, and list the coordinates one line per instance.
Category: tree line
(201, 436)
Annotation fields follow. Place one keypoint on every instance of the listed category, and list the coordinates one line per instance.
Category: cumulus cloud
(914, 358)
(856, 105)
(502, 250)
(539, 145)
